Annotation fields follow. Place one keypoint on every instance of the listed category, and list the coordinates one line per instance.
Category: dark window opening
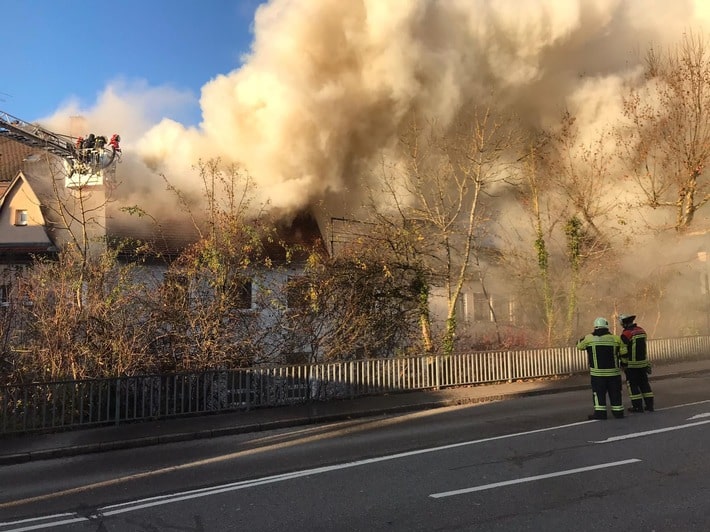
(242, 295)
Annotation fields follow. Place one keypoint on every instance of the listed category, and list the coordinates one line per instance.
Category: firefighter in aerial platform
(603, 352)
(114, 142)
(636, 365)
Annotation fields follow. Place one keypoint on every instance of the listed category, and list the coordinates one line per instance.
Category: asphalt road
(531, 463)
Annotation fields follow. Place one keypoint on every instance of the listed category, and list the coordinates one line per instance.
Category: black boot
(649, 404)
(636, 406)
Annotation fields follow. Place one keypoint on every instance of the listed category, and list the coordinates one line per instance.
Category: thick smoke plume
(328, 83)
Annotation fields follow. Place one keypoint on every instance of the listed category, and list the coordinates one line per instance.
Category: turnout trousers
(603, 386)
(639, 389)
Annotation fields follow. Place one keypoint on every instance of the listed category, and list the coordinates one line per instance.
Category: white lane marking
(165, 499)
(684, 405)
(531, 479)
(698, 416)
(203, 492)
(648, 432)
(56, 520)
(31, 519)
(51, 524)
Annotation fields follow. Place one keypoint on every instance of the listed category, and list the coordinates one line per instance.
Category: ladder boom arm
(35, 136)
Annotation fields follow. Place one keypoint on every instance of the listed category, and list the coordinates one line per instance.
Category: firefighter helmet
(626, 318)
(601, 323)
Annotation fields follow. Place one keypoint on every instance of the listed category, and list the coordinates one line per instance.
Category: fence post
(118, 401)
(248, 384)
(437, 365)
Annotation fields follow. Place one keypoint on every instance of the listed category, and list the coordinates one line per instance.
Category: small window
(241, 294)
(4, 295)
(175, 290)
(21, 217)
(481, 308)
(462, 308)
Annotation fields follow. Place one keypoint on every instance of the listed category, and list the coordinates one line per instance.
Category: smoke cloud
(328, 83)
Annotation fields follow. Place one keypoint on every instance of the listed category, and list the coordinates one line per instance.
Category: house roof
(25, 253)
(12, 157)
(170, 236)
(148, 237)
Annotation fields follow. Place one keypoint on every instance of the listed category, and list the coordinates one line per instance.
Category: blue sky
(56, 51)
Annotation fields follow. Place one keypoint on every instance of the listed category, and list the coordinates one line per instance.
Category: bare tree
(581, 171)
(434, 211)
(545, 214)
(57, 338)
(666, 140)
(566, 189)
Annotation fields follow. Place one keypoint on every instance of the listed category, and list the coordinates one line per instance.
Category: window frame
(22, 218)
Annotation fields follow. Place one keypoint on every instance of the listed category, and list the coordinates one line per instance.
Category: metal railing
(63, 405)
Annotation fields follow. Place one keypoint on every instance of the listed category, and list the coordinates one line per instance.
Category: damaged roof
(133, 234)
(167, 238)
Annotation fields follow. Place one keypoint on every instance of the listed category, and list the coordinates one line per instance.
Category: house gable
(22, 224)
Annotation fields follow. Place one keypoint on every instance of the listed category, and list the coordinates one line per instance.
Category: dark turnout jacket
(634, 338)
(603, 352)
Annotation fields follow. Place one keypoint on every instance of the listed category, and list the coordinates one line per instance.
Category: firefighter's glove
(649, 369)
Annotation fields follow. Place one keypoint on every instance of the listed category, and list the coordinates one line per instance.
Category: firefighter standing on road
(636, 364)
(603, 352)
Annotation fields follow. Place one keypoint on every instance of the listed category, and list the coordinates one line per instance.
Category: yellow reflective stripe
(604, 372)
(610, 341)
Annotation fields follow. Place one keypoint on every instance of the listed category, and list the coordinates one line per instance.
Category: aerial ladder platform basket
(87, 162)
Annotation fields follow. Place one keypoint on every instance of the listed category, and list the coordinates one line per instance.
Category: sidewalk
(18, 449)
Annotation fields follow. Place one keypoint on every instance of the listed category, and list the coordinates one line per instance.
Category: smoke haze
(328, 85)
